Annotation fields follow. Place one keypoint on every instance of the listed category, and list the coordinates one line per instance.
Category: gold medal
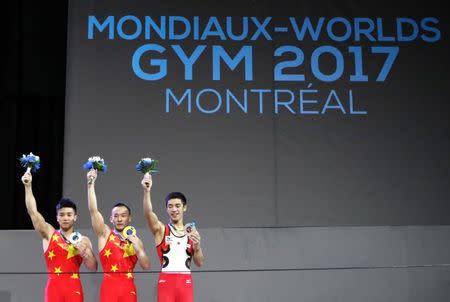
(129, 230)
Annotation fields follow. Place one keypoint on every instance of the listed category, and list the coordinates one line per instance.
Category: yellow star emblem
(128, 250)
(55, 237)
(77, 292)
(114, 268)
(112, 237)
(107, 253)
(58, 270)
(51, 254)
(75, 276)
(129, 275)
(133, 292)
(72, 251)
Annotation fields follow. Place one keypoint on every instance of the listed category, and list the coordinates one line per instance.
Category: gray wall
(351, 264)
(389, 167)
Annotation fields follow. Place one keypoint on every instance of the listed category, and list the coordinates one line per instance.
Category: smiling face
(120, 218)
(175, 209)
(66, 218)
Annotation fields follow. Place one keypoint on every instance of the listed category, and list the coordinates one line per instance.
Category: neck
(66, 232)
(177, 224)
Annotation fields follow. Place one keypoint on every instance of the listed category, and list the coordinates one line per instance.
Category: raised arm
(155, 226)
(98, 223)
(39, 223)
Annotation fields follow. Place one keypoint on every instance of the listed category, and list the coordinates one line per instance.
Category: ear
(185, 208)
(75, 217)
(111, 219)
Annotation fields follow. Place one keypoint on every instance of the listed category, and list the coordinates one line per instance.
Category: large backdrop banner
(264, 113)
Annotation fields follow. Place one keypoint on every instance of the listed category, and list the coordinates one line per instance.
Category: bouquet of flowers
(147, 165)
(97, 163)
(31, 162)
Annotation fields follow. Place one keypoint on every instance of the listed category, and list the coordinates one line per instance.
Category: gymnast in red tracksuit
(62, 258)
(118, 255)
(175, 246)
(118, 260)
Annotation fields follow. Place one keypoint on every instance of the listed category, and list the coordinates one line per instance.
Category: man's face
(66, 218)
(175, 209)
(120, 218)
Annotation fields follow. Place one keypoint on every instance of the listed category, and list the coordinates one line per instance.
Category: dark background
(32, 97)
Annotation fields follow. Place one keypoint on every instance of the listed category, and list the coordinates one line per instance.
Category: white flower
(147, 159)
(95, 158)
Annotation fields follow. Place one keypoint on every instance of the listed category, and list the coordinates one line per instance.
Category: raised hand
(147, 182)
(27, 178)
(92, 176)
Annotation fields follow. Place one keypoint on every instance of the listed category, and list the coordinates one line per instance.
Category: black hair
(120, 204)
(66, 203)
(173, 195)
